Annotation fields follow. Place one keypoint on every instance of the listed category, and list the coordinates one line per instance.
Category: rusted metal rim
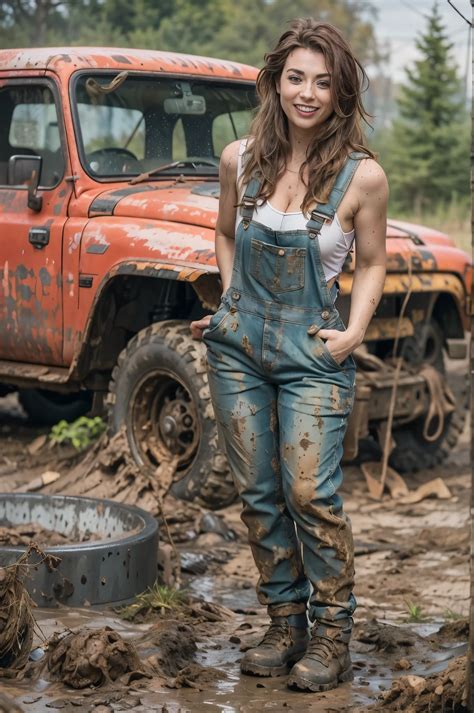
(112, 569)
(163, 421)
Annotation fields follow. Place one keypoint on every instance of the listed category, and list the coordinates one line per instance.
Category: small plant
(80, 433)
(451, 615)
(155, 598)
(414, 612)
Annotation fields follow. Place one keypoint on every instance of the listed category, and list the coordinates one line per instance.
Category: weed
(80, 433)
(414, 612)
(155, 598)
(451, 615)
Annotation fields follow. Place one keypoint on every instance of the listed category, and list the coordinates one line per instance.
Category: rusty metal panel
(387, 328)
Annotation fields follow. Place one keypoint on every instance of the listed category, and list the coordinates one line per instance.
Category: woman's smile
(306, 110)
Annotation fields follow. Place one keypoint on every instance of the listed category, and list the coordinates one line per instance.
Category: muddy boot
(284, 643)
(327, 661)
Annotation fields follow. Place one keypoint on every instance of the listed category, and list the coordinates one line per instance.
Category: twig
(391, 410)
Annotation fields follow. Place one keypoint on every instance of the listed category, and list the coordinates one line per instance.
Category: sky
(400, 21)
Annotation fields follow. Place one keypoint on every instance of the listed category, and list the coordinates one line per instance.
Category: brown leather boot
(327, 661)
(284, 643)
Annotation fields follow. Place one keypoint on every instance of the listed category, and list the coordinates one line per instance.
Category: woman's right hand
(199, 325)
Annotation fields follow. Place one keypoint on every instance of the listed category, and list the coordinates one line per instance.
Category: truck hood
(188, 202)
(194, 203)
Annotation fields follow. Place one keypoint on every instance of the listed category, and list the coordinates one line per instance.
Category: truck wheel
(45, 408)
(159, 391)
(412, 451)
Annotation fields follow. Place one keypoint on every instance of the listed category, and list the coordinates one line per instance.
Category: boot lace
(275, 633)
(321, 649)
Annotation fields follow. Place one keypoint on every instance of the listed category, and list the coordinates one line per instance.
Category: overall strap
(249, 200)
(325, 212)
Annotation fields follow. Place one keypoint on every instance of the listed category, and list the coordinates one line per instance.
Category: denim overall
(281, 403)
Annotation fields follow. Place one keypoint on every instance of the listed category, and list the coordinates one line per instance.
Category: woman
(280, 368)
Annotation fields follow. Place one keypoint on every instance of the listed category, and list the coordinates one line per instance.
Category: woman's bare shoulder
(370, 176)
(230, 156)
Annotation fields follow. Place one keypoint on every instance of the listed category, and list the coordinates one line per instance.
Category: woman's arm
(225, 225)
(370, 224)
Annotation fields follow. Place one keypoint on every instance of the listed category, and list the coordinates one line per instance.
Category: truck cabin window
(137, 124)
(29, 127)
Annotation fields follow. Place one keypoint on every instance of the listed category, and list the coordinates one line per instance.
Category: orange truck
(108, 202)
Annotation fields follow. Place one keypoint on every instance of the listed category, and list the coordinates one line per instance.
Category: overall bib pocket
(277, 269)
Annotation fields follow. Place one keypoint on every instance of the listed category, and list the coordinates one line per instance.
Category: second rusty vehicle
(108, 201)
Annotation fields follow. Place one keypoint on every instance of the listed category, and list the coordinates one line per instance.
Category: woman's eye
(324, 85)
(297, 79)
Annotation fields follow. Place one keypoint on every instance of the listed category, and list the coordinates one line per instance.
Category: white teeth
(308, 110)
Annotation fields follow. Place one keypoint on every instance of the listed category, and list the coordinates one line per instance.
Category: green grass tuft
(451, 615)
(415, 612)
(155, 598)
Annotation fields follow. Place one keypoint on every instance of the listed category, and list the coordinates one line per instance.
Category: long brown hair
(269, 147)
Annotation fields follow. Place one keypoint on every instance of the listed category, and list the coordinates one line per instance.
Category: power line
(459, 13)
(414, 9)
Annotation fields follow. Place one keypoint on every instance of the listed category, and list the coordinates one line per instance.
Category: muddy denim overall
(281, 403)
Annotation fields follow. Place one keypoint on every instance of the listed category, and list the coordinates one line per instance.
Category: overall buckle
(321, 216)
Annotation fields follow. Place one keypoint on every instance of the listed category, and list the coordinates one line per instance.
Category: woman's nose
(307, 91)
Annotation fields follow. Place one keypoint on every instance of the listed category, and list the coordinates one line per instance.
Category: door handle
(39, 237)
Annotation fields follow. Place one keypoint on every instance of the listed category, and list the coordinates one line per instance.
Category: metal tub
(109, 570)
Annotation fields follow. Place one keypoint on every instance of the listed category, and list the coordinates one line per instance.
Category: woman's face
(305, 89)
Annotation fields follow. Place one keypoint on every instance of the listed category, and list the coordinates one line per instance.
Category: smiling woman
(280, 367)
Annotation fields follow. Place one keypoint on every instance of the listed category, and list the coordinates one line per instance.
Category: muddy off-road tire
(45, 408)
(159, 391)
(412, 451)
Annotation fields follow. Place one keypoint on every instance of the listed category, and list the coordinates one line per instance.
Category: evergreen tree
(427, 157)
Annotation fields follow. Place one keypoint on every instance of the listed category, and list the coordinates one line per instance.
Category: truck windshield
(128, 125)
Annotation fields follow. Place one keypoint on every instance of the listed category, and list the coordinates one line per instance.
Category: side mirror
(26, 171)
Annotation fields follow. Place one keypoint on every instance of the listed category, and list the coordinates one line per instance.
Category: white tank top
(334, 243)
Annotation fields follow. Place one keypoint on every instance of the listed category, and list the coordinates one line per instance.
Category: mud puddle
(196, 670)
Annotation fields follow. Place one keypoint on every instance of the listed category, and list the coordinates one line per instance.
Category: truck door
(31, 314)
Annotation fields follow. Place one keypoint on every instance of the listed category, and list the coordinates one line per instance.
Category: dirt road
(412, 578)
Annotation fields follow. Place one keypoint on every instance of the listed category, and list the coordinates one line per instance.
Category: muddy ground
(412, 587)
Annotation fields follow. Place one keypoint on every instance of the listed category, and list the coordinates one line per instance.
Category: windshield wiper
(183, 163)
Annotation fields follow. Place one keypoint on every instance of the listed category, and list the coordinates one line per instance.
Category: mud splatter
(273, 417)
(92, 658)
(444, 691)
(176, 644)
(196, 676)
(305, 443)
(282, 553)
(248, 349)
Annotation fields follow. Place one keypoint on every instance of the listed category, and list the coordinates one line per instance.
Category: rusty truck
(108, 201)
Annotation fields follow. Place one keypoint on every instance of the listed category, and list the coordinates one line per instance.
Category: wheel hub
(176, 423)
(165, 421)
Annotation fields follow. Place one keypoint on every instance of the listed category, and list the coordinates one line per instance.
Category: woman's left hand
(339, 344)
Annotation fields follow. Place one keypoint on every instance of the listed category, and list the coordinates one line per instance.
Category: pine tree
(427, 157)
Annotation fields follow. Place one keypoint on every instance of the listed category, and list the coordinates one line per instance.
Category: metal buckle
(319, 215)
